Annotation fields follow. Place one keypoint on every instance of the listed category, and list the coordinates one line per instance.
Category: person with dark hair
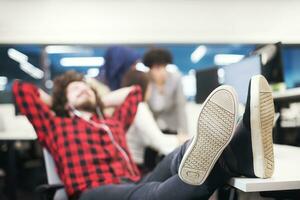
(93, 160)
(167, 101)
(157, 56)
(144, 131)
(118, 60)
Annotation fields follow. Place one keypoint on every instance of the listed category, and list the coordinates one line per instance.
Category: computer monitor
(271, 58)
(291, 60)
(206, 82)
(239, 74)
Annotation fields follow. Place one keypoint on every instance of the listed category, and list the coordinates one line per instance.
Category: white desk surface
(17, 128)
(17, 135)
(286, 174)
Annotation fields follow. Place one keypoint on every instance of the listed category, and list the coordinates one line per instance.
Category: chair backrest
(52, 175)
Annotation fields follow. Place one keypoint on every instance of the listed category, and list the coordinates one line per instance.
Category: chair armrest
(47, 192)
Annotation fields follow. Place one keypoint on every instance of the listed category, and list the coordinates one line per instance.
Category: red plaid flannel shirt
(84, 155)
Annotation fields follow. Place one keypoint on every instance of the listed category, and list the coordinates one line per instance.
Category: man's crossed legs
(221, 149)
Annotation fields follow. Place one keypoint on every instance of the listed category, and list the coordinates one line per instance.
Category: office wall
(147, 21)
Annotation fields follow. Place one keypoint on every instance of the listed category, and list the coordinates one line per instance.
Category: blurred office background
(42, 38)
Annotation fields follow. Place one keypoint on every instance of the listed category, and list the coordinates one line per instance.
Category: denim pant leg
(167, 167)
(109, 192)
(173, 188)
(162, 184)
(163, 171)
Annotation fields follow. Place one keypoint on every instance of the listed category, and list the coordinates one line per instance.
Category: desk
(17, 128)
(17, 135)
(286, 174)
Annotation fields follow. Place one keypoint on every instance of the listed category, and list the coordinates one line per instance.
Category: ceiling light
(60, 49)
(82, 62)
(16, 55)
(25, 66)
(3, 80)
(198, 54)
(32, 70)
(226, 59)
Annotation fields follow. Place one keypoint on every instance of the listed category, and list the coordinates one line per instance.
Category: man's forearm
(116, 98)
(46, 98)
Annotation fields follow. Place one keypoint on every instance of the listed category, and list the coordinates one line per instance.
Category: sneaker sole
(215, 129)
(262, 116)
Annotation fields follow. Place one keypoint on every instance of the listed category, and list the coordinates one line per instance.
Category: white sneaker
(216, 124)
(262, 118)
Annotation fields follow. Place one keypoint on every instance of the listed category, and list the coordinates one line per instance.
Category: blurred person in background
(167, 101)
(118, 60)
(144, 131)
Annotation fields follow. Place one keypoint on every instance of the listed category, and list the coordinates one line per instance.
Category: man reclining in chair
(91, 154)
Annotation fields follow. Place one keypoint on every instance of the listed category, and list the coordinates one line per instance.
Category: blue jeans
(161, 184)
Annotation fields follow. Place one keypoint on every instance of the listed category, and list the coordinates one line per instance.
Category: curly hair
(135, 77)
(59, 91)
(157, 56)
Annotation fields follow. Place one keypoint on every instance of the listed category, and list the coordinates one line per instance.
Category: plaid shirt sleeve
(28, 100)
(126, 112)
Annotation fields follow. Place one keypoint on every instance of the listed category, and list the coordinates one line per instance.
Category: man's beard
(87, 106)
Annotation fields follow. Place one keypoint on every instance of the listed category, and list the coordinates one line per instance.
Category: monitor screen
(291, 59)
(206, 82)
(271, 58)
(239, 74)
